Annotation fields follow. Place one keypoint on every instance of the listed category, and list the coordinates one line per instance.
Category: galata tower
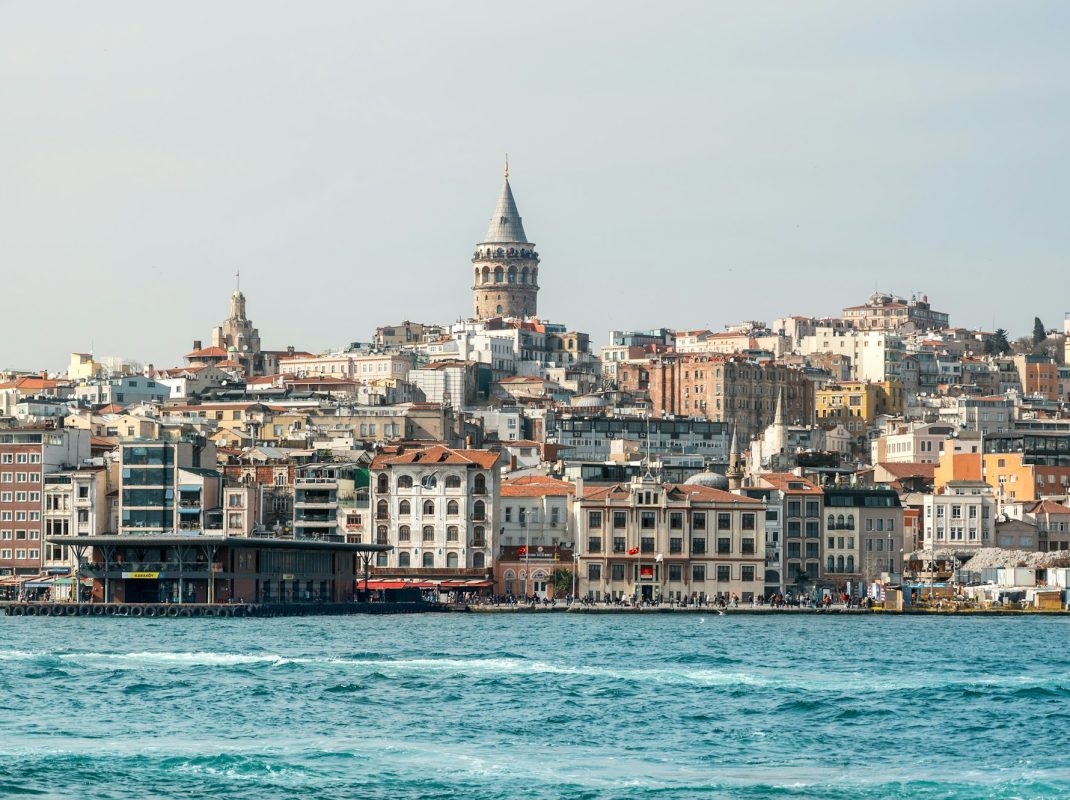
(506, 266)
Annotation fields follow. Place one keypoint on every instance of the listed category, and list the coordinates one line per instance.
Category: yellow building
(856, 404)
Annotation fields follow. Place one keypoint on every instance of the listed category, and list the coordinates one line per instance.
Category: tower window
(498, 310)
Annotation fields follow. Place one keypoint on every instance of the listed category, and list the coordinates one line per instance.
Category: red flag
(521, 551)
(634, 551)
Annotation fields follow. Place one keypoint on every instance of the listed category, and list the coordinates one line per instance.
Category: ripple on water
(489, 707)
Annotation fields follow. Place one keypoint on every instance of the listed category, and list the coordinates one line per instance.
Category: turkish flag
(634, 551)
(521, 551)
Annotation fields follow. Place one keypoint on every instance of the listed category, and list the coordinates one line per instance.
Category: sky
(677, 164)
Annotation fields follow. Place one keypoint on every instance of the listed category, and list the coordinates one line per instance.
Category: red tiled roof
(703, 494)
(909, 469)
(780, 480)
(438, 455)
(536, 486)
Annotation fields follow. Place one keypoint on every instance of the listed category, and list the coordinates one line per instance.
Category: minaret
(777, 431)
(735, 466)
(505, 264)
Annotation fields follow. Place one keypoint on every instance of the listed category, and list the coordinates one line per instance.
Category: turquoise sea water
(517, 706)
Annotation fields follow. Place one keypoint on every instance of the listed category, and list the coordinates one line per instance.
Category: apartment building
(27, 457)
(648, 540)
(168, 485)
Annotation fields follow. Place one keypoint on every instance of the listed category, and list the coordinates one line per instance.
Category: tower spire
(237, 280)
(507, 166)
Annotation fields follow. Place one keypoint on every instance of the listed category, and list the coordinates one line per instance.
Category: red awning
(385, 584)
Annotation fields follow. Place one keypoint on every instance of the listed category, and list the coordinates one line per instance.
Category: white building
(875, 355)
(960, 518)
(912, 442)
(437, 507)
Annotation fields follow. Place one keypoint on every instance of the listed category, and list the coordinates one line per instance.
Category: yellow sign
(149, 575)
(287, 577)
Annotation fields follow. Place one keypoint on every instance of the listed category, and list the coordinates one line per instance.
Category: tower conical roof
(505, 224)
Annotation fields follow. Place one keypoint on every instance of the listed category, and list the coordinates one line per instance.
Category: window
(428, 559)
(479, 485)
(724, 573)
(452, 534)
(648, 519)
(747, 521)
(675, 572)
(794, 508)
(403, 559)
(453, 482)
(813, 508)
(747, 547)
(617, 572)
(698, 520)
(724, 545)
(620, 519)
(676, 521)
(404, 508)
(479, 537)
(404, 533)
(724, 522)
(698, 573)
(405, 482)
(380, 535)
(594, 544)
(619, 545)
(429, 508)
(594, 519)
(452, 508)
(746, 573)
(382, 483)
(428, 534)
(676, 545)
(646, 544)
(698, 546)
(479, 510)
(594, 572)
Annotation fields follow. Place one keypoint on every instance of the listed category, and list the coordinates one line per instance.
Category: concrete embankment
(228, 610)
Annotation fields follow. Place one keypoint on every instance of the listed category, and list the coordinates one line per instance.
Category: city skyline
(764, 164)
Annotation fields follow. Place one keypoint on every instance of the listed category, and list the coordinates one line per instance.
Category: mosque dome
(709, 478)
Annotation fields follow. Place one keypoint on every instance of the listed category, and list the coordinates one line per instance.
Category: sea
(784, 705)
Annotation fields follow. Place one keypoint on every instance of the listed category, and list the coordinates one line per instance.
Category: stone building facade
(505, 264)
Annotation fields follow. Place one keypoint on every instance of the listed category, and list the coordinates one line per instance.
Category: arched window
(451, 560)
(429, 508)
(851, 521)
(452, 534)
(479, 536)
(479, 510)
(477, 276)
(498, 310)
(453, 481)
(850, 563)
(404, 533)
(479, 485)
(405, 482)
(404, 508)
(381, 511)
(512, 275)
(524, 275)
(428, 533)
(510, 575)
(499, 275)
(429, 559)
(452, 508)
(839, 563)
(403, 559)
(486, 274)
(832, 522)
(382, 483)
(479, 561)
(839, 520)
(380, 535)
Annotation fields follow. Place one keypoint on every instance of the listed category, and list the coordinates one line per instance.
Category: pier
(187, 610)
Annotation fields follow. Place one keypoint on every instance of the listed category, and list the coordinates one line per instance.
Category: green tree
(1000, 345)
(1039, 333)
(562, 582)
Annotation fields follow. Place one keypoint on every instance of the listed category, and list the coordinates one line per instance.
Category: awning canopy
(429, 583)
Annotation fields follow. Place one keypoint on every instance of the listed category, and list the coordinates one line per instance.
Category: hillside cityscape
(807, 458)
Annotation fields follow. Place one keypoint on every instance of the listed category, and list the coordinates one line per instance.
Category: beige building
(649, 540)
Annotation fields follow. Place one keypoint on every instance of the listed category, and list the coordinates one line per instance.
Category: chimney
(196, 344)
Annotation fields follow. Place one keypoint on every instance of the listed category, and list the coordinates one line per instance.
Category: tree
(998, 342)
(1039, 333)
(562, 582)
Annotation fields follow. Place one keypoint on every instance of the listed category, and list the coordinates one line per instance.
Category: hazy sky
(677, 164)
